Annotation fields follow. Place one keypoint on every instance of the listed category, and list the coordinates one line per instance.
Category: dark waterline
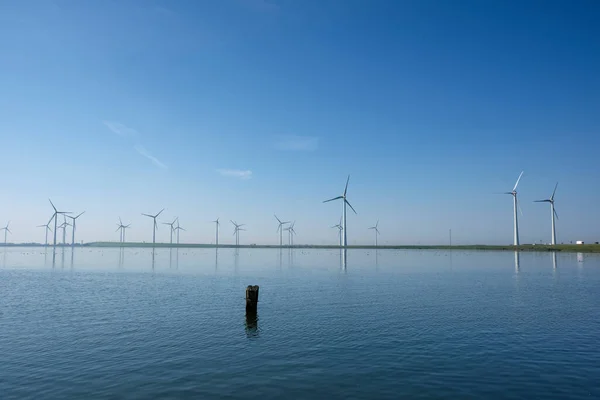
(132, 323)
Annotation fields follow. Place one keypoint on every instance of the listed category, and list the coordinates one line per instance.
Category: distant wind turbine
(216, 221)
(291, 233)
(54, 216)
(345, 202)
(280, 229)
(122, 227)
(6, 230)
(178, 228)
(376, 231)
(552, 212)
(74, 219)
(47, 226)
(236, 232)
(340, 229)
(515, 206)
(172, 225)
(63, 226)
(155, 227)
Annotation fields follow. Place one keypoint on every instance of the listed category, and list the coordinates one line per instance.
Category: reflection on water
(216, 258)
(554, 264)
(517, 261)
(251, 324)
(580, 257)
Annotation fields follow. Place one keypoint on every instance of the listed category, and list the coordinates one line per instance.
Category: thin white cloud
(121, 129)
(236, 173)
(142, 150)
(297, 143)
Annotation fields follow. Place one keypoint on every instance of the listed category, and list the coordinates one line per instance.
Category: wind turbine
(340, 229)
(216, 221)
(515, 206)
(6, 230)
(47, 226)
(376, 231)
(74, 219)
(63, 226)
(291, 233)
(280, 229)
(56, 212)
(171, 224)
(552, 212)
(236, 232)
(178, 228)
(155, 224)
(345, 201)
(122, 228)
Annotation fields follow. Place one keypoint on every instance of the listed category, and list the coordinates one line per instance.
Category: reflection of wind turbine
(236, 232)
(340, 229)
(516, 222)
(6, 230)
(343, 197)
(47, 226)
(172, 225)
(376, 231)
(54, 216)
(216, 221)
(74, 219)
(178, 228)
(155, 224)
(280, 229)
(552, 212)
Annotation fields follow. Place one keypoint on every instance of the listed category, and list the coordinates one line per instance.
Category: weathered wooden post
(251, 298)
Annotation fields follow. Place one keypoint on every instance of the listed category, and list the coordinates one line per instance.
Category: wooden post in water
(251, 298)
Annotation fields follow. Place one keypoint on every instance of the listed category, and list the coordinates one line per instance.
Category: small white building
(579, 242)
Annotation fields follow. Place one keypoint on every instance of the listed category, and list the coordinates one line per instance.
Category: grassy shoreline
(569, 248)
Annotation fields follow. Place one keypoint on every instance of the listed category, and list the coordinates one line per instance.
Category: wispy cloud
(236, 173)
(297, 143)
(121, 129)
(142, 150)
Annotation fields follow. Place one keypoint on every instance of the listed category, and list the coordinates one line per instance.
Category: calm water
(392, 324)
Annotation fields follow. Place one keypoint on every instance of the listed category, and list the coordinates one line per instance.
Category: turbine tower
(47, 226)
(178, 228)
(340, 229)
(280, 229)
(216, 221)
(6, 230)
(515, 206)
(74, 219)
(345, 202)
(552, 212)
(54, 216)
(155, 227)
(172, 225)
(376, 231)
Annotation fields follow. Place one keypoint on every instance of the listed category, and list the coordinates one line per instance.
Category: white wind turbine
(172, 225)
(47, 226)
(63, 226)
(54, 216)
(122, 227)
(280, 229)
(6, 230)
(291, 233)
(178, 228)
(515, 206)
(216, 221)
(340, 229)
(552, 212)
(155, 227)
(376, 231)
(345, 201)
(74, 219)
(236, 232)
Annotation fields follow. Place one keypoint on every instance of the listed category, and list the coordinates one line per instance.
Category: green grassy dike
(571, 248)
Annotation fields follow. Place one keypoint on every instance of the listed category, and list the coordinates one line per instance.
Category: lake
(110, 323)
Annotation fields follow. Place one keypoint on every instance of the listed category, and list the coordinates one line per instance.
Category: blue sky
(239, 109)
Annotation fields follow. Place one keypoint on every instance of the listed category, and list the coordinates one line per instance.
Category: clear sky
(240, 109)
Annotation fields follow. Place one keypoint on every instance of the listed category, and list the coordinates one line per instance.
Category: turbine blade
(517, 184)
(278, 220)
(555, 213)
(542, 201)
(159, 213)
(335, 198)
(347, 202)
(519, 206)
(120, 222)
(554, 192)
(80, 214)
(52, 205)
(117, 229)
(148, 215)
(346, 188)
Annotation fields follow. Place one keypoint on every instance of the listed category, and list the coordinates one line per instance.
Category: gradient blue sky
(243, 108)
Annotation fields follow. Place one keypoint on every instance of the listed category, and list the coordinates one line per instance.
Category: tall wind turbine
(552, 212)
(291, 233)
(236, 232)
(515, 206)
(122, 228)
(178, 228)
(216, 221)
(54, 216)
(63, 226)
(155, 224)
(376, 231)
(74, 219)
(6, 230)
(280, 229)
(340, 229)
(47, 226)
(172, 225)
(345, 202)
